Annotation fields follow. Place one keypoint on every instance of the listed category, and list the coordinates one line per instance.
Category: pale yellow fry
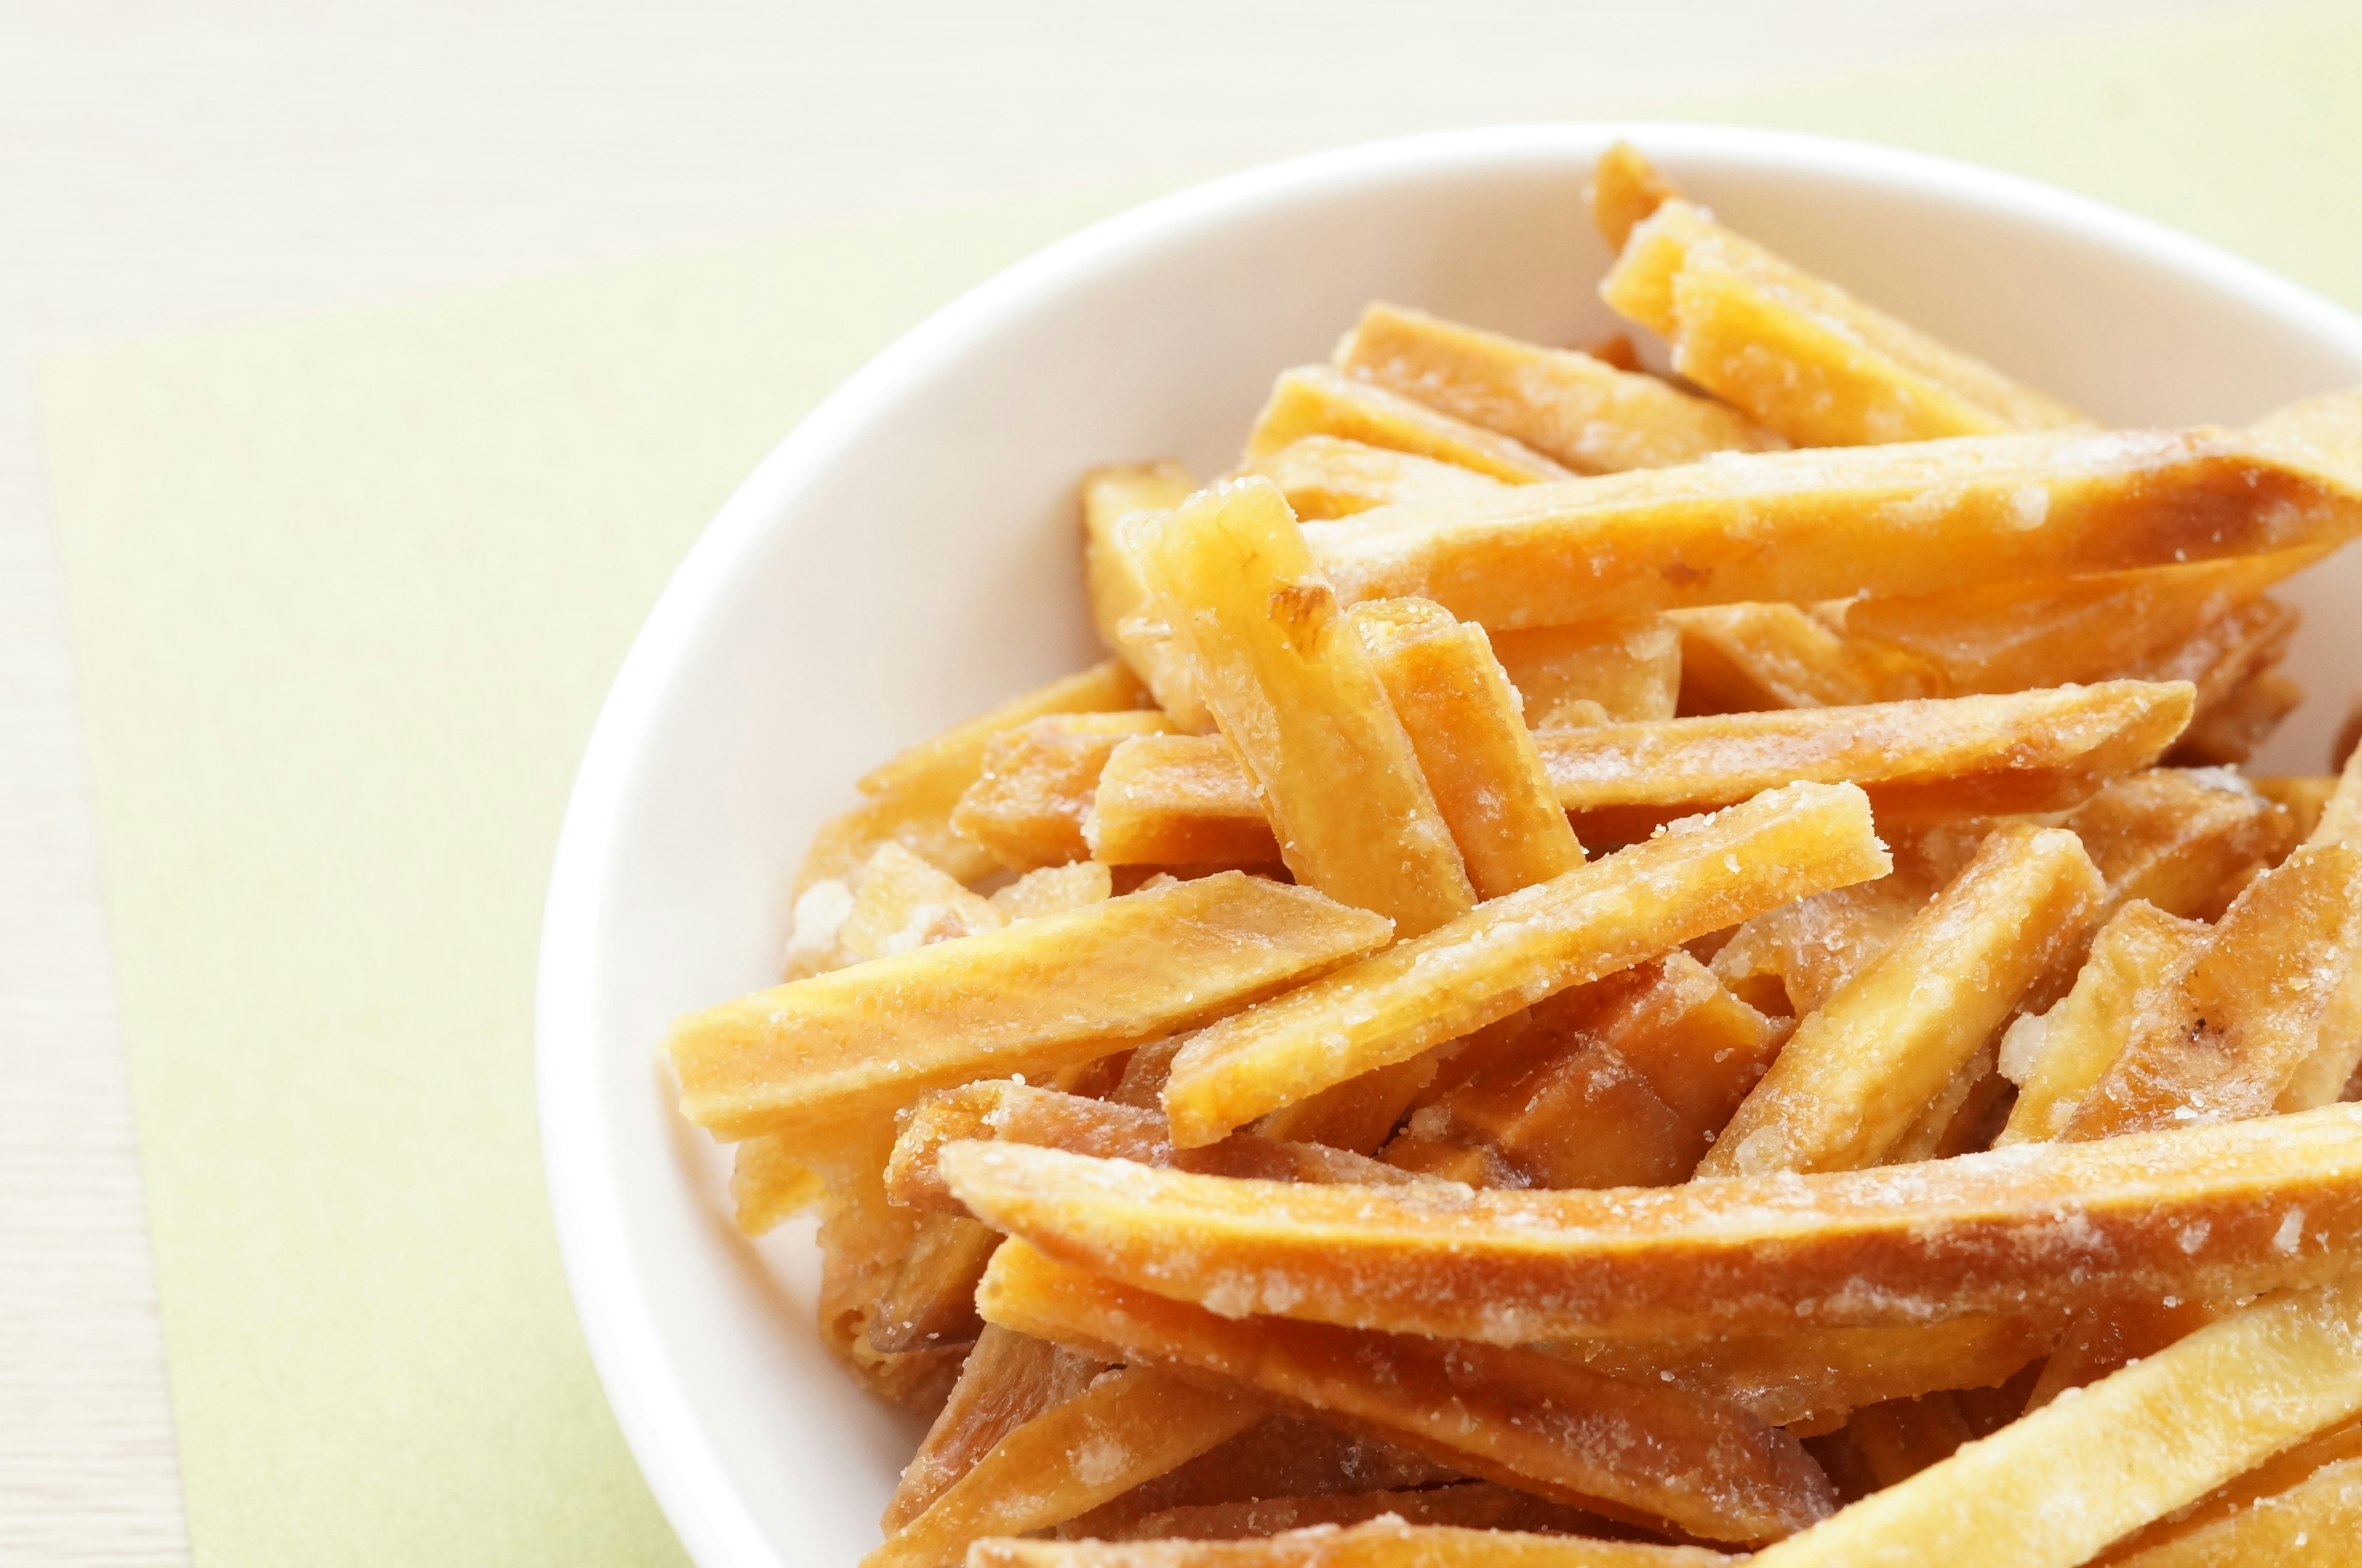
(1055, 890)
(1803, 526)
(860, 1041)
(1297, 695)
(1628, 666)
(2052, 1488)
(1625, 188)
(1583, 412)
(903, 903)
(1381, 1543)
(1028, 803)
(1695, 878)
(1315, 400)
(1857, 1073)
(1118, 593)
(2302, 1508)
(1473, 745)
(1328, 476)
(1738, 658)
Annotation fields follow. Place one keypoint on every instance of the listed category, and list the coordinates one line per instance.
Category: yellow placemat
(345, 593)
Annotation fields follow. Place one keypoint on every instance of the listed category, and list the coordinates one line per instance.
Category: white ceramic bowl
(907, 558)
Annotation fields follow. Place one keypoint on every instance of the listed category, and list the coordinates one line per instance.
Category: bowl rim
(659, 1425)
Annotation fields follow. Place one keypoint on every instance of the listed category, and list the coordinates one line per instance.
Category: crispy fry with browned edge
(1469, 1505)
(2059, 1057)
(1315, 400)
(2326, 1073)
(1615, 669)
(2301, 1509)
(858, 1042)
(1803, 526)
(1695, 878)
(1134, 1422)
(1119, 594)
(1473, 745)
(911, 798)
(1518, 1417)
(1624, 189)
(1743, 659)
(1282, 1456)
(1859, 1070)
(2051, 1489)
(2182, 840)
(931, 1301)
(1801, 355)
(1007, 1379)
(1296, 693)
(2213, 1209)
(2247, 1011)
(1581, 411)
(1028, 804)
(1328, 476)
(1055, 890)
(1381, 1543)
(2229, 732)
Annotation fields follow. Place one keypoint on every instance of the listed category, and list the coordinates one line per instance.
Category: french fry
(1134, 1422)
(2115, 1335)
(910, 797)
(1521, 1418)
(1790, 960)
(1701, 1048)
(1469, 1505)
(2226, 653)
(1964, 1115)
(1028, 804)
(1007, 1379)
(1861, 1068)
(2328, 1072)
(2183, 842)
(1802, 356)
(903, 903)
(1803, 526)
(1297, 694)
(1381, 1543)
(1118, 593)
(1177, 801)
(1742, 658)
(2204, 1210)
(1327, 476)
(931, 1301)
(1286, 1458)
(2054, 1487)
(1055, 890)
(2229, 732)
(1695, 878)
(863, 1241)
(1578, 410)
(1315, 400)
(1472, 747)
(1900, 1438)
(1627, 667)
(2301, 1509)
(1625, 188)
(2302, 797)
(857, 1041)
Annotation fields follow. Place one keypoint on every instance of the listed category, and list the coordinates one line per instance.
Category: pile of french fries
(1621, 967)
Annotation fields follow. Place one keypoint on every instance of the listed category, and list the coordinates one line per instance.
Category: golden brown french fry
(1966, 1115)
(1581, 411)
(2229, 732)
(1281, 1457)
(1742, 658)
(2130, 1449)
(1695, 878)
(857, 1041)
(1328, 476)
(1861, 1068)
(1472, 746)
(1625, 188)
(903, 904)
(1790, 960)
(864, 1240)
(1701, 1048)
(1900, 1438)
(1801, 355)
(1518, 1417)
(1803, 526)
(1178, 801)
(770, 1184)
(1055, 890)
(1469, 1505)
(1119, 594)
(1297, 695)
(2226, 653)
(2301, 1509)
(2182, 840)
(1133, 1422)
(2302, 796)
(1381, 1543)
(931, 1301)
(1628, 666)
(1007, 1379)
(1315, 400)
(1028, 804)
(911, 798)
(2204, 1210)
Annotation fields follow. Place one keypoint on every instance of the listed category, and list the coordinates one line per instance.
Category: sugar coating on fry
(2199, 1210)
(1177, 801)
(860, 1041)
(2230, 730)
(1627, 667)
(1055, 890)
(1118, 593)
(903, 904)
(1028, 804)
(2180, 839)
(1572, 407)
(1625, 188)
(1697, 877)
(1381, 1543)
(1316, 399)
(931, 1300)
(2301, 1509)
(1006, 1380)
(1790, 960)
(1738, 658)
(1297, 697)
(1329, 476)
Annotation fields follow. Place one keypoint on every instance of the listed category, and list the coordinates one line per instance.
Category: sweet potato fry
(1316, 399)
(1628, 667)
(931, 1301)
(1007, 1379)
(2327, 1073)
(857, 1041)
(1801, 355)
(1809, 526)
(1028, 804)
(1517, 1416)
(1381, 1543)
(1743, 659)
(2229, 732)
(2184, 842)
(2058, 1058)
(863, 1241)
(2201, 1210)
(1055, 890)
(1695, 878)
(1469, 1505)
(1860, 1070)
(2302, 797)
(1790, 960)
(1327, 476)
(2226, 653)
(1625, 188)
(2301, 1509)
(1472, 746)
(1178, 801)
(910, 797)
(1284, 1458)
(1966, 1114)
(1580, 411)
(1118, 593)
(1297, 695)
(903, 902)
(2131, 1449)
(1900, 1438)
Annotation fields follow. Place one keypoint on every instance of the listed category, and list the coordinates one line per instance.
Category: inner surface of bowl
(909, 558)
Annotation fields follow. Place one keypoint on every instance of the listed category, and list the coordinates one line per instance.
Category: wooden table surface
(164, 167)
